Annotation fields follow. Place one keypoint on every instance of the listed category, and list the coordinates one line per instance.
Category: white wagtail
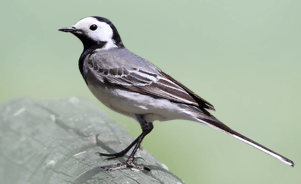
(130, 85)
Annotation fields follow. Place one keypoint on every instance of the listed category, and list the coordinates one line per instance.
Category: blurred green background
(244, 57)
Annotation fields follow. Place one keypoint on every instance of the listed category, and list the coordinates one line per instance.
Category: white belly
(131, 103)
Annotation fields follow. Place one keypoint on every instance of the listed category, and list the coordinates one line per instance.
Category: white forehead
(88, 21)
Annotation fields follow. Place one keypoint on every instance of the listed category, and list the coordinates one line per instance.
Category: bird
(130, 85)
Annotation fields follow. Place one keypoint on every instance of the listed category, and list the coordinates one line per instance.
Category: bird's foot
(127, 164)
(119, 154)
(112, 156)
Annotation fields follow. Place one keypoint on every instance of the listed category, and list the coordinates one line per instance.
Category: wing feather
(115, 70)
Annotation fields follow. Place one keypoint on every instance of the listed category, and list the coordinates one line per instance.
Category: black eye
(93, 27)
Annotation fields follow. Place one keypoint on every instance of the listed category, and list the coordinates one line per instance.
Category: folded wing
(157, 85)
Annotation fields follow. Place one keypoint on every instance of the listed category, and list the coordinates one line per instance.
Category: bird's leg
(121, 153)
(146, 129)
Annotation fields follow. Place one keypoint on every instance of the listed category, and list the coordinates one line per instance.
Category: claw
(127, 164)
(115, 167)
(111, 156)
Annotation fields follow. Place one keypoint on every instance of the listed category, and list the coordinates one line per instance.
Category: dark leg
(146, 129)
(122, 153)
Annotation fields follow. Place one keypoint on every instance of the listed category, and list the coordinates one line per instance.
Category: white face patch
(103, 32)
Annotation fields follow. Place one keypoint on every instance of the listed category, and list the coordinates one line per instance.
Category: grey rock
(55, 141)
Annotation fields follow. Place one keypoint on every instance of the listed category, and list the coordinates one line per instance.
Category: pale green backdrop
(244, 57)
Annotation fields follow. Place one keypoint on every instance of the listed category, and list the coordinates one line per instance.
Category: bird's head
(96, 32)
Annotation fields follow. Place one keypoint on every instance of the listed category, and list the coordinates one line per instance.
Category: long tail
(219, 125)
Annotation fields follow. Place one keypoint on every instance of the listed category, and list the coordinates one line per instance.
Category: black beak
(68, 29)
